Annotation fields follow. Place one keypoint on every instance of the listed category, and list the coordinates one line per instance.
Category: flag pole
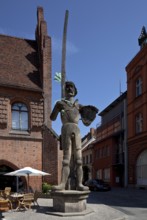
(63, 66)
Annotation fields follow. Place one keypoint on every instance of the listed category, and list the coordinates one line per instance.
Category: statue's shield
(88, 114)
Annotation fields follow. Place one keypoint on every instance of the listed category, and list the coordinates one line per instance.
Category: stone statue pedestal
(69, 201)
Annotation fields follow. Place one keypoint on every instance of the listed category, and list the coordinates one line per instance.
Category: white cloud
(70, 47)
(56, 43)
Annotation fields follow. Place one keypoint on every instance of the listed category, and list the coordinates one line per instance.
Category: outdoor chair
(7, 191)
(1, 193)
(36, 196)
(5, 204)
(11, 201)
(26, 201)
(5, 197)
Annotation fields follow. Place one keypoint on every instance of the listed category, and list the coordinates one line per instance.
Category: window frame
(138, 123)
(138, 86)
(106, 174)
(21, 111)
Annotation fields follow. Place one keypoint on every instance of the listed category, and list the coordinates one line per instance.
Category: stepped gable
(19, 64)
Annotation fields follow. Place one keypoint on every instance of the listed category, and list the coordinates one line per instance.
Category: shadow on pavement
(126, 197)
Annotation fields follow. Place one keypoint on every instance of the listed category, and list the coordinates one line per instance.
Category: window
(138, 87)
(19, 116)
(99, 174)
(104, 151)
(139, 123)
(83, 160)
(107, 174)
(108, 151)
(90, 158)
(97, 154)
(86, 159)
(100, 153)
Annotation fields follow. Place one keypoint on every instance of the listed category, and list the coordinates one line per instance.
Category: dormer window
(19, 116)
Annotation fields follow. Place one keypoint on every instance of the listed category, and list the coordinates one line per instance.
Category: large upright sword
(63, 62)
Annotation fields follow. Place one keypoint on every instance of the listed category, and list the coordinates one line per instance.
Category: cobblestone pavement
(132, 202)
(117, 204)
(97, 212)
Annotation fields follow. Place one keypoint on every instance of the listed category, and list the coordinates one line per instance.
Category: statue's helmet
(70, 83)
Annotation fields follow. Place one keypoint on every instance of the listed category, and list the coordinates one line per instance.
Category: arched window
(19, 116)
(141, 168)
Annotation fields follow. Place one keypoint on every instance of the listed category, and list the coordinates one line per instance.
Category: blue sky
(102, 38)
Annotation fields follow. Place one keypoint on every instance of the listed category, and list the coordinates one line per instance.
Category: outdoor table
(16, 197)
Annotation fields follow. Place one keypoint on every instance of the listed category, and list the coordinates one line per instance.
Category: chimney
(41, 29)
(92, 132)
(44, 53)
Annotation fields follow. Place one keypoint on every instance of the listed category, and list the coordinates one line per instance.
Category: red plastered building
(137, 115)
(109, 149)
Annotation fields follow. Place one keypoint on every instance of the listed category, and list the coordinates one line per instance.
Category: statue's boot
(81, 187)
(58, 187)
(64, 178)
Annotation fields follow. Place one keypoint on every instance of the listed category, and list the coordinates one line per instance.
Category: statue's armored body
(71, 111)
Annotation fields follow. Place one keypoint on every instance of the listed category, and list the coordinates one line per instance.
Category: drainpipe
(125, 146)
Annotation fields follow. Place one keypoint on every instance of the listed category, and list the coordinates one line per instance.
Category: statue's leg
(80, 186)
(78, 162)
(65, 167)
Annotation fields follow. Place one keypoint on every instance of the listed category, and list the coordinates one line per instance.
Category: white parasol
(27, 171)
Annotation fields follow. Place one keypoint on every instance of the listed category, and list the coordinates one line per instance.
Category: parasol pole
(28, 182)
(63, 71)
(17, 184)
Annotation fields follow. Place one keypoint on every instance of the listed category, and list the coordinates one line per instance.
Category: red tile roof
(19, 64)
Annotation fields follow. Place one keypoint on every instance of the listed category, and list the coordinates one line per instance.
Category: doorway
(141, 169)
(9, 181)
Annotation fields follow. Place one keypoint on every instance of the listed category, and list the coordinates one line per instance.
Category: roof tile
(19, 64)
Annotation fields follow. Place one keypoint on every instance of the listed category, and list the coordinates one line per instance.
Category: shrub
(46, 187)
